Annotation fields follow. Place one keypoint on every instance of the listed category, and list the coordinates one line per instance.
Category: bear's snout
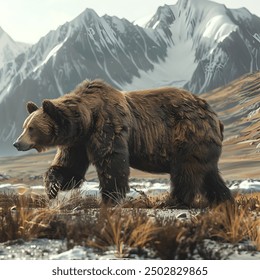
(17, 145)
(22, 146)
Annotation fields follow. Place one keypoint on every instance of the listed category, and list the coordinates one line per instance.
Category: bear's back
(173, 115)
(168, 103)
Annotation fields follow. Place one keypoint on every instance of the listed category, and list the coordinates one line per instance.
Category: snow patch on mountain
(9, 49)
(142, 22)
(175, 70)
(51, 54)
(219, 28)
(198, 36)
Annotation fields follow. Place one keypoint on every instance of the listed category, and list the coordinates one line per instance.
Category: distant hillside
(238, 106)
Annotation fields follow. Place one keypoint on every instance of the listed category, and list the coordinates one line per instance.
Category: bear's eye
(30, 129)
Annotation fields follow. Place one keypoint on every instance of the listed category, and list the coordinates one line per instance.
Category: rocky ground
(44, 248)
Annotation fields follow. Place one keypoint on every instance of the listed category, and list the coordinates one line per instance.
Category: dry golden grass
(228, 223)
(87, 222)
(23, 216)
(119, 228)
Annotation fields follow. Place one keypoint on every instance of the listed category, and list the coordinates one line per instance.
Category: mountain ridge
(9, 48)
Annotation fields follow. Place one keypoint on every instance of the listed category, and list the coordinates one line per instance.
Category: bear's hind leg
(214, 188)
(186, 180)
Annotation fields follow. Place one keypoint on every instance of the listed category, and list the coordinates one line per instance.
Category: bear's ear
(31, 107)
(50, 109)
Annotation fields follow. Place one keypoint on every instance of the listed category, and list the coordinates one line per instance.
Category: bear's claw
(54, 189)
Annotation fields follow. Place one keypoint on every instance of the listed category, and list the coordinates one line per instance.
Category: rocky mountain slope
(9, 49)
(199, 45)
(210, 45)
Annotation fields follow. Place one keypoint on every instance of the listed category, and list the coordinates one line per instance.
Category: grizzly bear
(165, 130)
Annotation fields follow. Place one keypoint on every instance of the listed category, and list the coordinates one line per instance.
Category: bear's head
(40, 129)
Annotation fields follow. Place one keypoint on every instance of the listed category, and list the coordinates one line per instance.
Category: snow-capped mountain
(9, 49)
(210, 45)
(90, 46)
(196, 44)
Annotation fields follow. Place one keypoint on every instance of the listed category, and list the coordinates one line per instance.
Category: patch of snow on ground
(77, 253)
(91, 189)
(247, 186)
(137, 188)
(85, 253)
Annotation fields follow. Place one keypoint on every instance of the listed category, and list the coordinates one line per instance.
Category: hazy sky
(28, 20)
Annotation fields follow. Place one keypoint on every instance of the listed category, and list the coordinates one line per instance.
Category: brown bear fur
(166, 130)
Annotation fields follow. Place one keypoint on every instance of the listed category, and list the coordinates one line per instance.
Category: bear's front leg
(67, 171)
(60, 178)
(114, 182)
(113, 172)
